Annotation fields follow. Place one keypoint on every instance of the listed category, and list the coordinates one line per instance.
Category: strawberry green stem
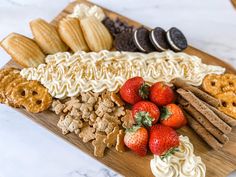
(165, 113)
(144, 91)
(169, 153)
(143, 118)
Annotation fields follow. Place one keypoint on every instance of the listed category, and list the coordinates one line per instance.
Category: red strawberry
(146, 113)
(136, 139)
(163, 140)
(161, 94)
(134, 90)
(172, 116)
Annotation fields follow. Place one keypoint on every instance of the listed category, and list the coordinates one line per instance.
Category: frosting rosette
(66, 75)
(183, 163)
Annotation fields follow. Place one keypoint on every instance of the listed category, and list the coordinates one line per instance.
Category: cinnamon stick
(198, 92)
(203, 121)
(229, 120)
(203, 133)
(203, 109)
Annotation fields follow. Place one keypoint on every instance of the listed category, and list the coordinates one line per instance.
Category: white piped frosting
(183, 163)
(66, 75)
(82, 11)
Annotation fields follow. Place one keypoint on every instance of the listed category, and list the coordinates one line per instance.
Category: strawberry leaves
(169, 153)
(165, 113)
(143, 118)
(144, 91)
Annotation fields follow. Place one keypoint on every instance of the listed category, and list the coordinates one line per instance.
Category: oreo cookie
(158, 38)
(124, 42)
(176, 39)
(142, 41)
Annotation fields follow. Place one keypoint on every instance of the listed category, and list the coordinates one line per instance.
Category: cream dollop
(183, 163)
(82, 11)
(66, 75)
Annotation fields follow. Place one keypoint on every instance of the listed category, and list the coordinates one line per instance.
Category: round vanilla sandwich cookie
(158, 39)
(142, 41)
(176, 39)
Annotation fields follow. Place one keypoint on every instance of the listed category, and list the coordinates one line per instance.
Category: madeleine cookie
(142, 41)
(71, 33)
(23, 50)
(47, 37)
(96, 34)
(176, 39)
(158, 38)
(124, 42)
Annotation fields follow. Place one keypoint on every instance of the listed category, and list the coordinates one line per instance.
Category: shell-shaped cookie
(23, 50)
(96, 35)
(47, 37)
(71, 33)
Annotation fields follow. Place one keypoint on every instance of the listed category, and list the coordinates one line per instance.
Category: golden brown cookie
(4, 72)
(23, 50)
(228, 100)
(5, 81)
(99, 145)
(120, 145)
(228, 82)
(212, 84)
(31, 95)
(110, 140)
(9, 89)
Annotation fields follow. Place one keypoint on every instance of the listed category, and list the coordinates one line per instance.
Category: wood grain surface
(234, 3)
(219, 164)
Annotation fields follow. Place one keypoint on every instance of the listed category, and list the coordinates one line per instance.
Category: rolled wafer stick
(203, 133)
(229, 120)
(198, 92)
(203, 121)
(203, 109)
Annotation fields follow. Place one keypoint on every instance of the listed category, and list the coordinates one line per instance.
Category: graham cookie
(158, 39)
(31, 95)
(124, 42)
(142, 41)
(176, 39)
(99, 145)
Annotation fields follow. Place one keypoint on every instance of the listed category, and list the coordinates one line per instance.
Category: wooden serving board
(219, 164)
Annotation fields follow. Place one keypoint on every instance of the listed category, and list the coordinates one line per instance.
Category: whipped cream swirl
(66, 75)
(181, 164)
(82, 11)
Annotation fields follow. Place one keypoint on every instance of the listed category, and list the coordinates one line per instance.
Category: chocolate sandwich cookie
(142, 41)
(176, 39)
(158, 38)
(124, 42)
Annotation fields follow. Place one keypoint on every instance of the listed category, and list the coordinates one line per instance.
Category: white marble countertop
(29, 150)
